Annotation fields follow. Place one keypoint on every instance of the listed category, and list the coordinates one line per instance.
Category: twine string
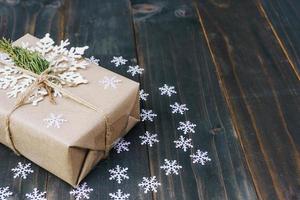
(43, 81)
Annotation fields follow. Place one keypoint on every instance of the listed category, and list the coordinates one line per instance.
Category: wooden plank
(283, 18)
(107, 28)
(261, 90)
(13, 25)
(172, 49)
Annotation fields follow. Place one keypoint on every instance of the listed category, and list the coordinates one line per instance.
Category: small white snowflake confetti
(121, 146)
(149, 139)
(22, 170)
(143, 95)
(54, 121)
(110, 82)
(81, 192)
(118, 61)
(36, 195)
(167, 90)
(148, 115)
(187, 127)
(178, 108)
(183, 143)
(200, 157)
(119, 195)
(171, 167)
(118, 173)
(94, 60)
(5, 193)
(135, 70)
(149, 184)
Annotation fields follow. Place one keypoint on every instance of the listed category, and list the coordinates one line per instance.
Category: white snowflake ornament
(187, 127)
(110, 82)
(63, 62)
(149, 139)
(5, 59)
(8, 81)
(119, 195)
(183, 143)
(45, 45)
(36, 195)
(81, 192)
(167, 90)
(24, 81)
(94, 60)
(143, 95)
(178, 108)
(118, 173)
(148, 115)
(171, 167)
(22, 170)
(6, 71)
(118, 61)
(54, 121)
(72, 77)
(200, 157)
(121, 146)
(135, 70)
(149, 184)
(5, 193)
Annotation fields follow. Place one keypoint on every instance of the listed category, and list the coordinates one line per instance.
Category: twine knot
(45, 80)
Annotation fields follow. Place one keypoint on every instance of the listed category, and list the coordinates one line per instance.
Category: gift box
(68, 130)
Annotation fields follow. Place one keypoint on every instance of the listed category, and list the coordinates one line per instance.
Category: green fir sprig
(24, 58)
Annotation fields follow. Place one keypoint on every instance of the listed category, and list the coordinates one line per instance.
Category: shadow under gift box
(71, 151)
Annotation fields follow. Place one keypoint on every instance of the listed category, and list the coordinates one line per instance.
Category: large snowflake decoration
(118, 61)
(149, 139)
(72, 77)
(178, 108)
(6, 70)
(36, 195)
(119, 195)
(135, 70)
(64, 62)
(183, 143)
(187, 127)
(121, 146)
(167, 90)
(148, 115)
(5, 59)
(149, 184)
(118, 173)
(22, 170)
(110, 82)
(143, 95)
(54, 121)
(171, 167)
(200, 157)
(5, 193)
(81, 192)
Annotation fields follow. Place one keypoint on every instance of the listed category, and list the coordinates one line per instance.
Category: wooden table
(235, 63)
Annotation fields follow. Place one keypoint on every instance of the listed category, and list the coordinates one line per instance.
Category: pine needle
(24, 58)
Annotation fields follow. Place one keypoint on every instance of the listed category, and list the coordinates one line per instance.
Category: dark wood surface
(234, 63)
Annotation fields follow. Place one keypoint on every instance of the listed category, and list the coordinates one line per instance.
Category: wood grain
(173, 50)
(283, 18)
(234, 63)
(107, 29)
(261, 91)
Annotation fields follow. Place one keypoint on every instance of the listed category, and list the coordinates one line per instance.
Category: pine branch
(24, 58)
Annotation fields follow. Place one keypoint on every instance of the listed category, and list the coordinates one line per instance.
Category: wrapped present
(68, 116)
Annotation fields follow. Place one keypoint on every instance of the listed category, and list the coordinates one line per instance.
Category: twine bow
(43, 81)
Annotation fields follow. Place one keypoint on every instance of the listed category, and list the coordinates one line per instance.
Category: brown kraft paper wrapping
(71, 151)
